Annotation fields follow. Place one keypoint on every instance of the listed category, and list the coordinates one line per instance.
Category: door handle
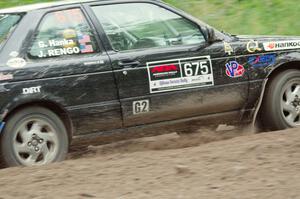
(128, 63)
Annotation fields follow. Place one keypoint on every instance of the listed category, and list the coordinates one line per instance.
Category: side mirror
(211, 36)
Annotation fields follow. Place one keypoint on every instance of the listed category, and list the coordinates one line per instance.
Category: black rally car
(80, 68)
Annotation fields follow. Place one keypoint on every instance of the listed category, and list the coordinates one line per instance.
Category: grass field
(234, 16)
(7, 3)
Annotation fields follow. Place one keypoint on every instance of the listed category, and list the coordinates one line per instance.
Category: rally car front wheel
(281, 105)
(33, 136)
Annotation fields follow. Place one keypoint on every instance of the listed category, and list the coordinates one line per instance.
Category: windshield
(7, 23)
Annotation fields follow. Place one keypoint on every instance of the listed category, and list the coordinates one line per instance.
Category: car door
(164, 67)
(66, 60)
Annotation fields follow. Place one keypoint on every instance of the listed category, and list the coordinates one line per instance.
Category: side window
(143, 25)
(63, 33)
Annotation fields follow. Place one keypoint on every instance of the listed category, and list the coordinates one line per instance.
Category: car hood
(267, 37)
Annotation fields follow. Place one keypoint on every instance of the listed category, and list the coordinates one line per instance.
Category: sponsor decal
(16, 62)
(165, 70)
(31, 90)
(94, 63)
(253, 46)
(4, 77)
(141, 106)
(228, 49)
(14, 54)
(281, 45)
(2, 125)
(178, 74)
(234, 69)
(262, 60)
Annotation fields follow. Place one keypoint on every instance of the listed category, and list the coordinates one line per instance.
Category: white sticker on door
(282, 45)
(141, 106)
(179, 74)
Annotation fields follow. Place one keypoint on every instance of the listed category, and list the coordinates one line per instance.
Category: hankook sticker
(282, 45)
(179, 74)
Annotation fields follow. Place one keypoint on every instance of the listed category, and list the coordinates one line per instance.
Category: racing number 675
(193, 68)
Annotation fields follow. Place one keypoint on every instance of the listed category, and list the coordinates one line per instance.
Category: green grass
(246, 16)
(275, 17)
(11, 3)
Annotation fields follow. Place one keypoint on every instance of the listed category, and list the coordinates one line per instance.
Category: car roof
(38, 6)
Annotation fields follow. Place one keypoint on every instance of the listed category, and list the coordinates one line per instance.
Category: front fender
(285, 61)
(289, 60)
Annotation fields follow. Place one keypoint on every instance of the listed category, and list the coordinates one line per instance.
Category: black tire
(274, 116)
(30, 129)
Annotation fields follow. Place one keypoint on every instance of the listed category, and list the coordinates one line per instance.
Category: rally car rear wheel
(33, 136)
(281, 106)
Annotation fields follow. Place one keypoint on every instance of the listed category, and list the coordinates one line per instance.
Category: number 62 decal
(141, 106)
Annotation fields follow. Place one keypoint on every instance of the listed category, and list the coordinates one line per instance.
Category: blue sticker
(2, 124)
(262, 60)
